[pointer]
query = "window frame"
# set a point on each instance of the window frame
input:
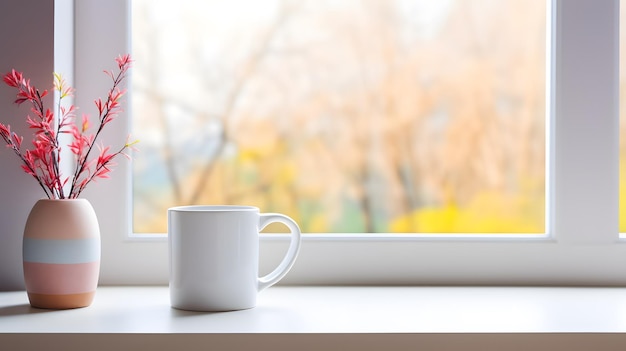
(582, 244)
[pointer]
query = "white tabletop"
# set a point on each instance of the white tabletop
(336, 310)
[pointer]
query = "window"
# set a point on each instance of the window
(582, 246)
(353, 116)
(622, 128)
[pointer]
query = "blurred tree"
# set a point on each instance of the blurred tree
(349, 116)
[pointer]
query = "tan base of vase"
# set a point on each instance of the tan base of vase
(61, 302)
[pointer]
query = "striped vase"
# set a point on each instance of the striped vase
(61, 254)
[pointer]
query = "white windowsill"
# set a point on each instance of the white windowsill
(313, 318)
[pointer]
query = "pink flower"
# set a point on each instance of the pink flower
(17, 140)
(124, 62)
(104, 158)
(43, 161)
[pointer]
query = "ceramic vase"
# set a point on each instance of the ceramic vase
(61, 254)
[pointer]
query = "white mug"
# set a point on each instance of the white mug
(214, 256)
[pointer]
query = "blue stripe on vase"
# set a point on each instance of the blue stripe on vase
(65, 251)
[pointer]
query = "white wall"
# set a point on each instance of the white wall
(26, 44)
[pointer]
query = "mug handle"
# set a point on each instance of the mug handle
(290, 258)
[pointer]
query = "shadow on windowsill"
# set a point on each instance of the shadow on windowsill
(22, 309)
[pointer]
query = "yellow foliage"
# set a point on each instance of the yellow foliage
(287, 174)
(318, 224)
(488, 212)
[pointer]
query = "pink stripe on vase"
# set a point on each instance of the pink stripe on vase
(47, 278)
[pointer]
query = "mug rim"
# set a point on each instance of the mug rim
(214, 208)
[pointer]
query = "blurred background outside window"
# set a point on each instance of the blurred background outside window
(352, 116)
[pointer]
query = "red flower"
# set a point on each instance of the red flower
(13, 79)
(5, 131)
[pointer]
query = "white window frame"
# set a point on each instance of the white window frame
(582, 245)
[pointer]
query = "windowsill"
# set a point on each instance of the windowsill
(355, 316)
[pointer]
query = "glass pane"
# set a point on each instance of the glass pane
(349, 116)
(622, 123)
